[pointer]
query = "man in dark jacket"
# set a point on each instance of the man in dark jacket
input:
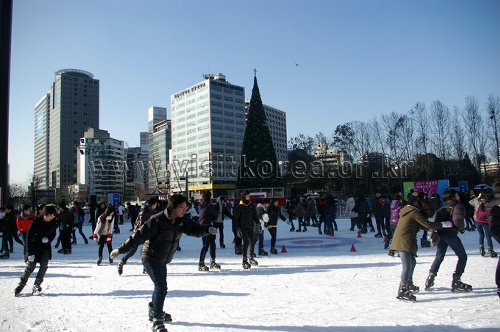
(244, 219)
(493, 214)
(9, 228)
(40, 235)
(160, 237)
(378, 213)
(208, 214)
(452, 210)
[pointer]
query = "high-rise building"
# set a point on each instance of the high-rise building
(276, 122)
(101, 165)
(208, 124)
(159, 144)
(73, 107)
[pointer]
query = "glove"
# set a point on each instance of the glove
(212, 230)
(113, 253)
(447, 224)
(94, 237)
(31, 258)
(239, 233)
(108, 239)
(45, 240)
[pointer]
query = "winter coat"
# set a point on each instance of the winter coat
(377, 208)
(396, 206)
(23, 222)
(104, 226)
(274, 213)
(78, 215)
(208, 213)
(143, 216)
(349, 205)
(410, 222)
(322, 206)
(480, 212)
(38, 230)
(452, 210)
(299, 210)
(9, 224)
(160, 237)
(66, 220)
(493, 214)
(311, 207)
(245, 215)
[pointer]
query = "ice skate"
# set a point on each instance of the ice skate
(404, 294)
(120, 268)
(99, 260)
(481, 251)
(458, 286)
(273, 251)
(167, 317)
(37, 289)
(253, 262)
(245, 264)
(492, 252)
(214, 266)
(262, 252)
(19, 289)
(203, 268)
(430, 281)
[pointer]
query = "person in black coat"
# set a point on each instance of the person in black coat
(244, 218)
(160, 237)
(40, 235)
(208, 214)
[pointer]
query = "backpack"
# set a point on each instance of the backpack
(480, 214)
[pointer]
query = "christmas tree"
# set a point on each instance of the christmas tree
(258, 164)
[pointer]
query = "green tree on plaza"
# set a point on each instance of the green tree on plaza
(258, 164)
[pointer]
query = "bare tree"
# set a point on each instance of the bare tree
(303, 142)
(440, 129)
(458, 141)
(493, 110)
(420, 118)
(475, 132)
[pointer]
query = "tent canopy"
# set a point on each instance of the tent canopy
(156, 192)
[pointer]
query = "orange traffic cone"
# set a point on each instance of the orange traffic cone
(283, 249)
(359, 234)
(331, 233)
(352, 248)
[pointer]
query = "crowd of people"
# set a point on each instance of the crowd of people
(158, 226)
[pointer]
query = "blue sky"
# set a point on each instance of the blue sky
(356, 58)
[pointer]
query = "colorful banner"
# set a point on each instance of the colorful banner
(430, 187)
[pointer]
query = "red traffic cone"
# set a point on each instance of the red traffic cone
(386, 239)
(352, 248)
(359, 234)
(234, 240)
(331, 233)
(283, 249)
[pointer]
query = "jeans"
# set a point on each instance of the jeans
(79, 227)
(220, 229)
(272, 231)
(409, 262)
(103, 239)
(208, 242)
(158, 274)
(129, 254)
(452, 240)
(484, 231)
(44, 263)
(259, 237)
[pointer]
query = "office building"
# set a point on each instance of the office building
(159, 144)
(61, 117)
(208, 125)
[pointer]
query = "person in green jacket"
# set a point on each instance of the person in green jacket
(413, 217)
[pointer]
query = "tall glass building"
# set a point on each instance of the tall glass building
(61, 117)
(159, 144)
(208, 125)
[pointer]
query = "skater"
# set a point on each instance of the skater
(396, 206)
(223, 214)
(208, 214)
(331, 214)
(290, 209)
(413, 217)
(65, 227)
(40, 235)
(322, 206)
(9, 228)
(146, 212)
(451, 210)
(78, 220)
(481, 219)
(259, 231)
(493, 214)
(244, 218)
(132, 214)
(299, 213)
(349, 206)
(23, 223)
(274, 213)
(160, 236)
(378, 213)
(363, 211)
(103, 233)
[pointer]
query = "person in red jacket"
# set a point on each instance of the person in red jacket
(23, 223)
